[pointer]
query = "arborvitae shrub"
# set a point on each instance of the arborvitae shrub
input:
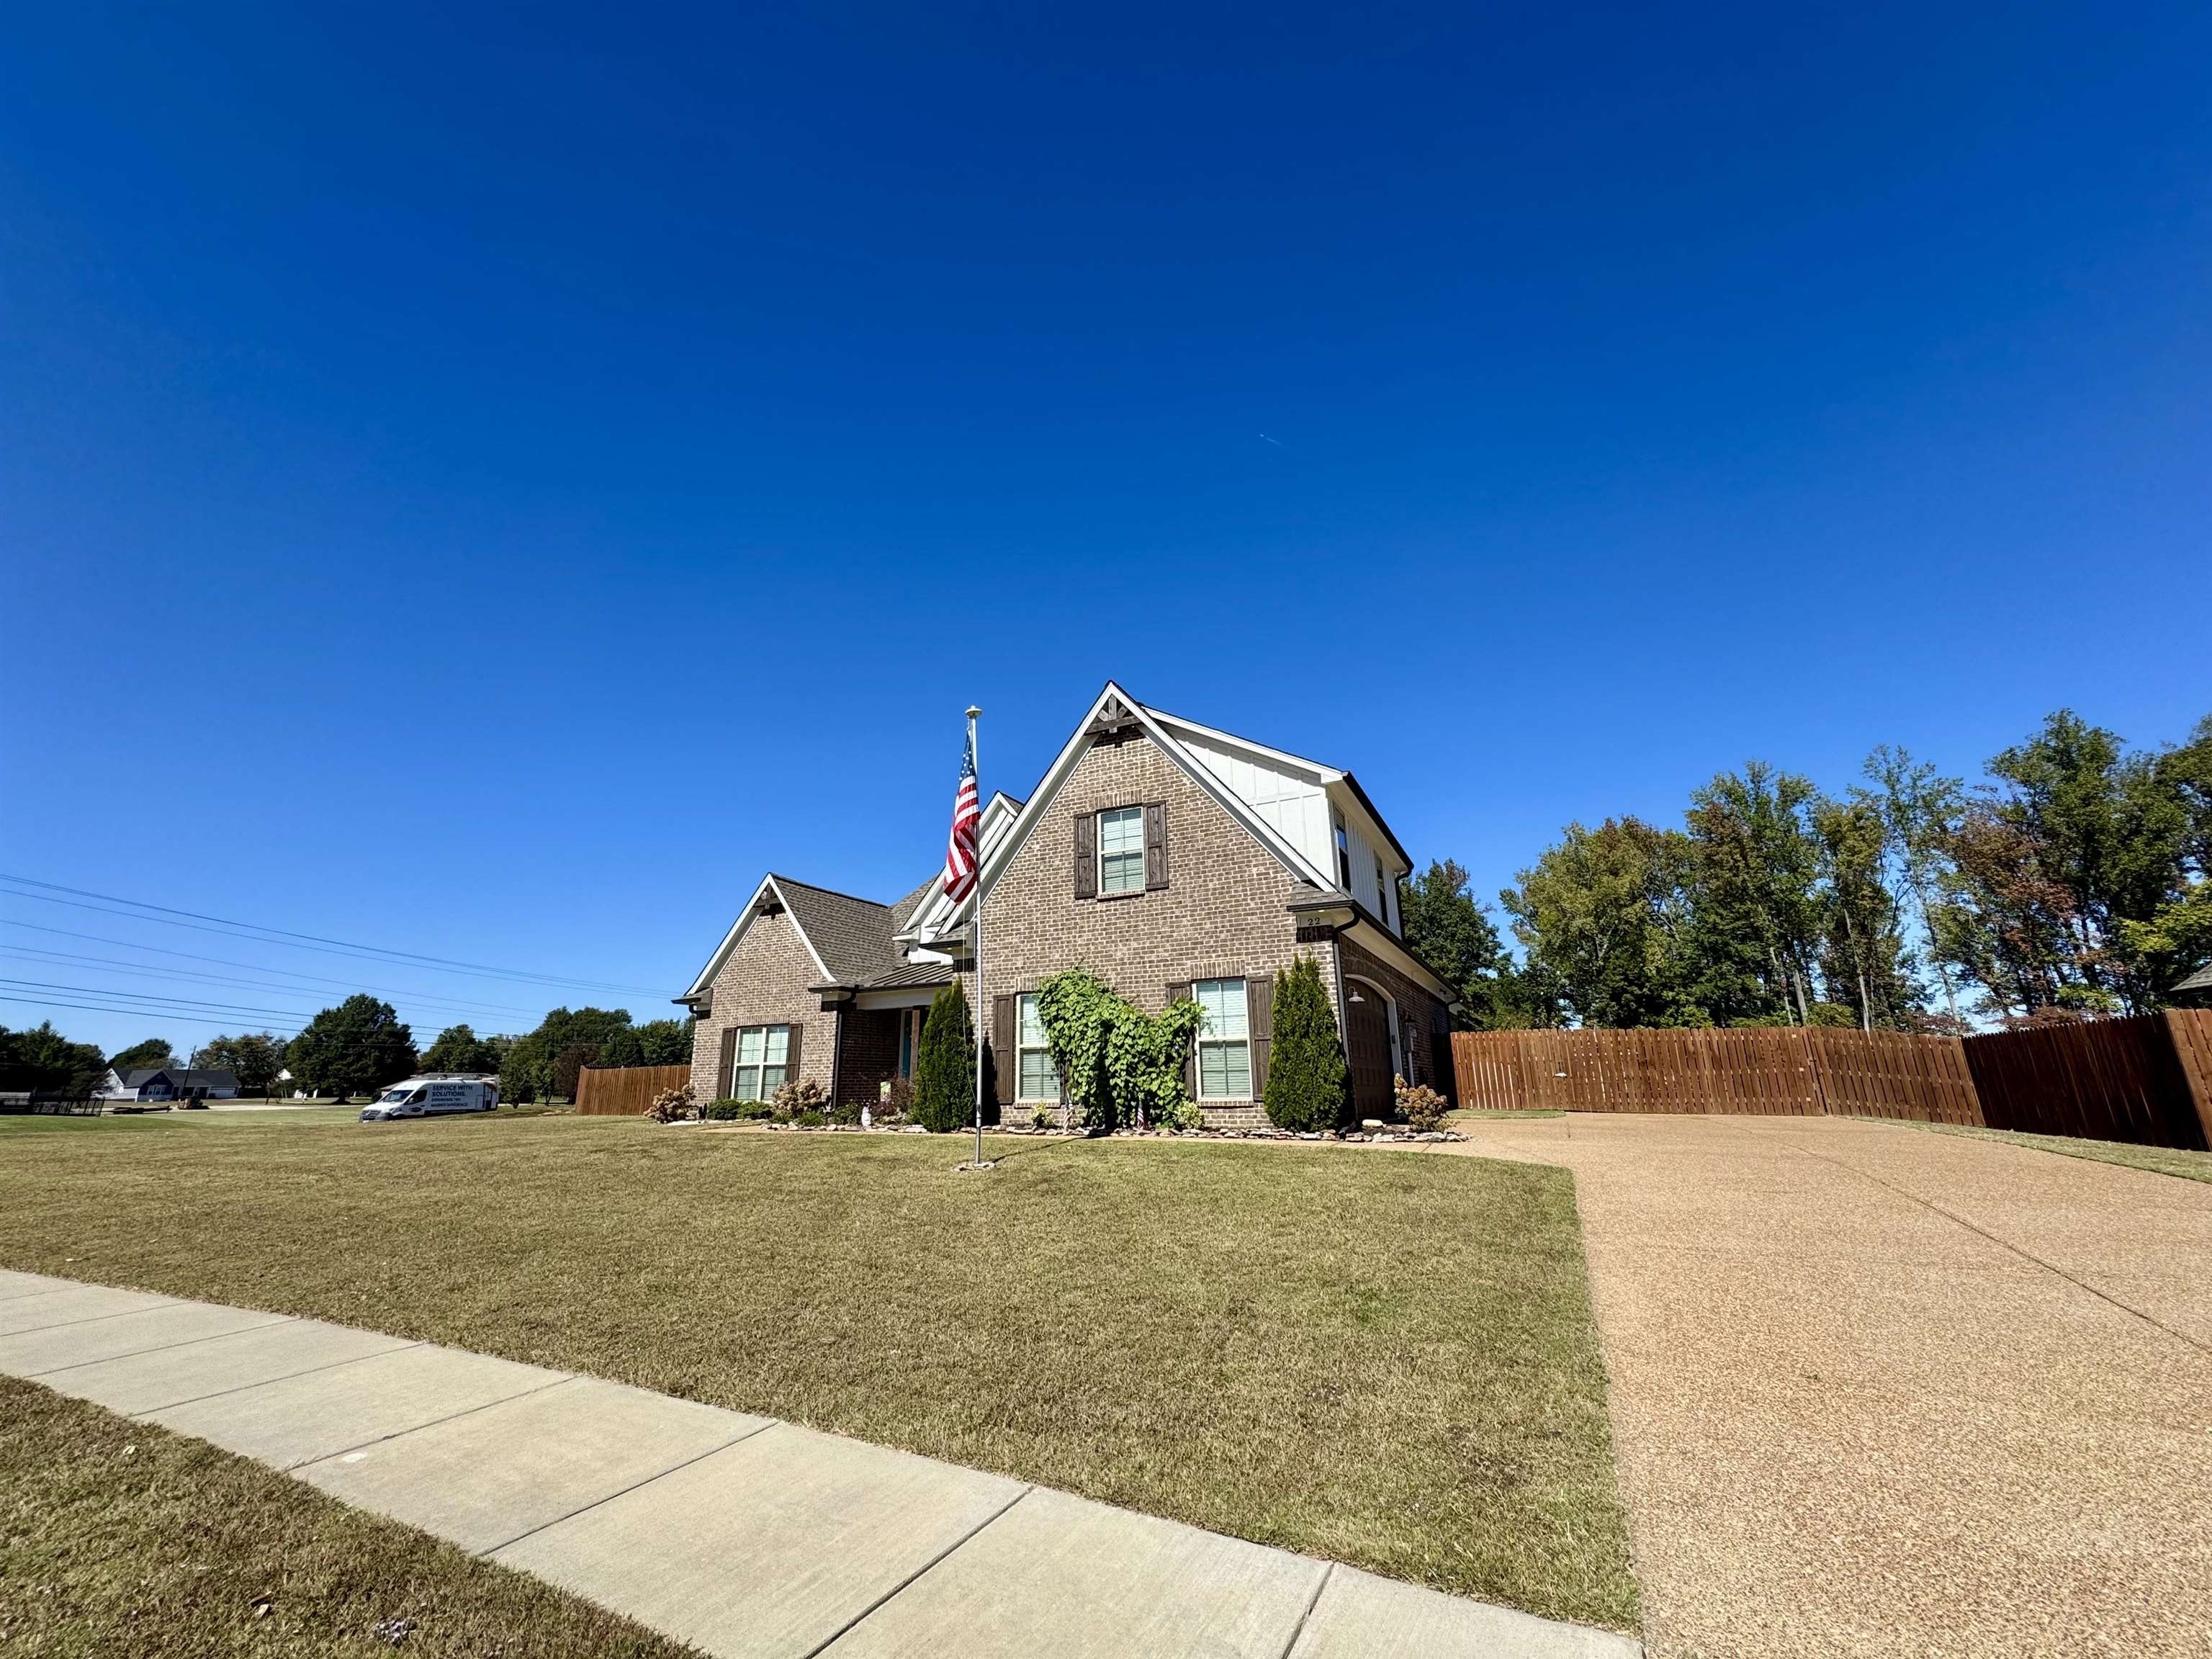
(1306, 1070)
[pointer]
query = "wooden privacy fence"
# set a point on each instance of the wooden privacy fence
(1786, 1072)
(2148, 1081)
(624, 1090)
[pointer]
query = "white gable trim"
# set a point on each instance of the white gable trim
(700, 985)
(1313, 768)
(932, 915)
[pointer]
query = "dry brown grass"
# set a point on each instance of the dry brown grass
(119, 1540)
(1377, 1357)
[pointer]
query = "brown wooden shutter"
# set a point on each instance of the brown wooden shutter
(1005, 1058)
(791, 1054)
(1087, 855)
(729, 1063)
(1259, 1021)
(1181, 992)
(1156, 845)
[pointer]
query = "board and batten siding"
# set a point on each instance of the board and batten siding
(1297, 808)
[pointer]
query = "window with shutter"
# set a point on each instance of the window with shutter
(765, 1056)
(1121, 850)
(1087, 855)
(1225, 1039)
(1260, 1016)
(1039, 1078)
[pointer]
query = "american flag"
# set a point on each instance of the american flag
(967, 813)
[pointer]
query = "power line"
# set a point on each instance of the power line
(256, 967)
(27, 953)
(190, 1004)
(207, 924)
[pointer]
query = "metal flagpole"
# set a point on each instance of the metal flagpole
(976, 758)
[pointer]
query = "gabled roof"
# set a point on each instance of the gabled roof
(1114, 705)
(2199, 981)
(851, 938)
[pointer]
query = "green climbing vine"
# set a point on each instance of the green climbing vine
(1120, 1064)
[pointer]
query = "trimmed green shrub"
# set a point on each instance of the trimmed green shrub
(809, 1120)
(848, 1115)
(1307, 1076)
(945, 1066)
(725, 1111)
(1184, 1118)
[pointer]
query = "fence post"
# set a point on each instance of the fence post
(1813, 1064)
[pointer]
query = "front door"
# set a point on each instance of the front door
(1367, 1046)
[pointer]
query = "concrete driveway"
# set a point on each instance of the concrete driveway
(1883, 1391)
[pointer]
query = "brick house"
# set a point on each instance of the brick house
(1171, 860)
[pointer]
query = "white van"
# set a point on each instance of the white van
(435, 1096)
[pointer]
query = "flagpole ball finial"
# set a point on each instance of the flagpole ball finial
(973, 711)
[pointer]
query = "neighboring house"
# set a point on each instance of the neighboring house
(2195, 991)
(168, 1083)
(1171, 860)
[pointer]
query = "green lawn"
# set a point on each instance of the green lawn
(1379, 1357)
(119, 1538)
(2160, 1160)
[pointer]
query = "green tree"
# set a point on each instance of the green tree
(1308, 1080)
(666, 1042)
(459, 1048)
(528, 1070)
(1756, 920)
(944, 1065)
(1921, 811)
(2064, 867)
(1863, 960)
(149, 1055)
(254, 1059)
(1605, 919)
(359, 1046)
(42, 1059)
(1451, 931)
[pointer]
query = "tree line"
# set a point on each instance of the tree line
(360, 1046)
(2074, 880)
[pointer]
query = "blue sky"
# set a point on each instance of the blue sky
(491, 487)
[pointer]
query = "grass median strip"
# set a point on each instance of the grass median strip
(1375, 1357)
(117, 1538)
(2159, 1160)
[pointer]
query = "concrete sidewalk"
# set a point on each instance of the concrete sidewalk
(740, 1535)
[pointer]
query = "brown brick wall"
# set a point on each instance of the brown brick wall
(1221, 916)
(764, 983)
(870, 1057)
(1419, 1014)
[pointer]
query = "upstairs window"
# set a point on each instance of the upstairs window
(1343, 854)
(760, 1070)
(1225, 1042)
(1039, 1077)
(1121, 850)
(1382, 895)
